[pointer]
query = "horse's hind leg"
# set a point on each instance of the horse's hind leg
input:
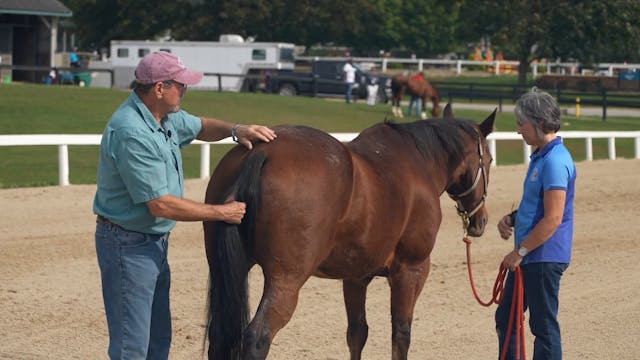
(276, 307)
(406, 281)
(355, 293)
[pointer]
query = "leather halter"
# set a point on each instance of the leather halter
(464, 214)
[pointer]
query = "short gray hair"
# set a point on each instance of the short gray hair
(540, 109)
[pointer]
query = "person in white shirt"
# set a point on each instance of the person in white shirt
(349, 78)
(372, 88)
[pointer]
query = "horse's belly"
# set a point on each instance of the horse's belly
(349, 263)
(383, 271)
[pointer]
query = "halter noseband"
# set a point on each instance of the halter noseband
(464, 214)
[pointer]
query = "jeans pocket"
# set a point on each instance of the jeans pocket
(132, 239)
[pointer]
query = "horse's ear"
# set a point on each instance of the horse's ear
(487, 125)
(448, 112)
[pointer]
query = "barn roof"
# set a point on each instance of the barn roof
(34, 7)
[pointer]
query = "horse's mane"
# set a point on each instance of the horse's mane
(435, 136)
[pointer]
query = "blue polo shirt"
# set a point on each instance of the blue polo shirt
(140, 161)
(551, 168)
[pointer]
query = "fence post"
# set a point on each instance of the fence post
(459, 67)
(604, 104)
(219, 82)
(205, 156)
(314, 85)
(636, 148)
(492, 151)
(526, 150)
(588, 142)
(612, 148)
(63, 165)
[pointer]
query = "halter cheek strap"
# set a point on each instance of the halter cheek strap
(464, 214)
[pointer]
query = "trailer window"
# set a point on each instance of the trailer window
(286, 54)
(166, 50)
(143, 52)
(259, 54)
(123, 52)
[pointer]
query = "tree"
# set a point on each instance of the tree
(587, 32)
(100, 21)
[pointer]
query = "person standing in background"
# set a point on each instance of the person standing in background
(349, 78)
(415, 99)
(372, 87)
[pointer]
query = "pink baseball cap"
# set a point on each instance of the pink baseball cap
(163, 66)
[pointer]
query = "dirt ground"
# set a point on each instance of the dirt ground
(51, 305)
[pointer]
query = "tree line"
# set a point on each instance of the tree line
(585, 31)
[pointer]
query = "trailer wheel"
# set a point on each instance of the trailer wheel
(287, 90)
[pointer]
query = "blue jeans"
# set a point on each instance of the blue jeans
(347, 96)
(135, 289)
(541, 282)
(418, 102)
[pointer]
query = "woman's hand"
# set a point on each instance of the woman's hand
(505, 227)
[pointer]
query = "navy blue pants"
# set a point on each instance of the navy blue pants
(541, 283)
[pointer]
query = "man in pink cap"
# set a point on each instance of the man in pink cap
(139, 198)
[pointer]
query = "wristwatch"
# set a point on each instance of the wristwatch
(522, 251)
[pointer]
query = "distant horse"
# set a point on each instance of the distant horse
(417, 87)
(318, 207)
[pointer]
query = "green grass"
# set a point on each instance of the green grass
(38, 109)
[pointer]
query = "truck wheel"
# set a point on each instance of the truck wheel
(287, 90)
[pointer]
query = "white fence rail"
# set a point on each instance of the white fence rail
(551, 67)
(63, 141)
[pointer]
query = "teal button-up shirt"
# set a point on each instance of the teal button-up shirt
(140, 161)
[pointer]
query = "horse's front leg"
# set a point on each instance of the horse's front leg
(355, 295)
(406, 282)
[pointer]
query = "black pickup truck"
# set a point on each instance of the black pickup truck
(326, 79)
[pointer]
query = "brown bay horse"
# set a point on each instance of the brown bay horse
(401, 84)
(318, 207)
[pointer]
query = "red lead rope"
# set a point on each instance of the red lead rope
(497, 296)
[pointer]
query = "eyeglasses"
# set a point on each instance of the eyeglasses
(181, 87)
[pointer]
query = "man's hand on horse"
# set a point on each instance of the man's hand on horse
(246, 134)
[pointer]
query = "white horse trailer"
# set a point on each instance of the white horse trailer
(241, 65)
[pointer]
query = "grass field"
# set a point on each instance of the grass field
(38, 109)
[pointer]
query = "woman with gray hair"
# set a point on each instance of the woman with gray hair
(543, 226)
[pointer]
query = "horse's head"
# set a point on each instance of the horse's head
(471, 179)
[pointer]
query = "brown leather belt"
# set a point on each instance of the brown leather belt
(103, 220)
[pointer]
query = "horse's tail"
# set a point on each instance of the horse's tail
(229, 267)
